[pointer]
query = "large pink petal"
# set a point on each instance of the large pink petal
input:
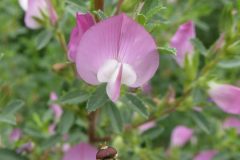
(84, 22)
(180, 136)
(118, 38)
(82, 151)
(181, 41)
(227, 97)
(34, 10)
(205, 155)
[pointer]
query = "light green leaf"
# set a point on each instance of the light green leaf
(12, 107)
(97, 99)
(100, 14)
(43, 39)
(136, 104)
(167, 50)
(7, 154)
(115, 117)
(1, 56)
(229, 64)
(141, 19)
(199, 46)
(153, 11)
(66, 122)
(9, 119)
(74, 97)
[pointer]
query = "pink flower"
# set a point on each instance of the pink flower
(205, 155)
(57, 110)
(146, 126)
(180, 136)
(82, 151)
(65, 147)
(52, 129)
(36, 9)
(15, 134)
(181, 41)
(27, 147)
(84, 22)
(227, 97)
(232, 122)
(146, 88)
(117, 51)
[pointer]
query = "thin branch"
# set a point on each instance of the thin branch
(120, 2)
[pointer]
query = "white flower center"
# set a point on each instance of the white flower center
(114, 74)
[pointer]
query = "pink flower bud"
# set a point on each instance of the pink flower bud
(205, 155)
(180, 136)
(227, 97)
(146, 126)
(181, 41)
(15, 135)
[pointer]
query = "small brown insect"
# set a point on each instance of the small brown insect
(106, 153)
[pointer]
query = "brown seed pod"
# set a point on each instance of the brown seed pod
(106, 152)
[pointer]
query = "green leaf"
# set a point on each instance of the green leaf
(1, 56)
(9, 119)
(153, 133)
(229, 64)
(43, 39)
(201, 121)
(199, 46)
(141, 19)
(100, 14)
(115, 117)
(167, 50)
(66, 122)
(7, 154)
(50, 142)
(136, 104)
(97, 99)
(153, 11)
(74, 97)
(12, 107)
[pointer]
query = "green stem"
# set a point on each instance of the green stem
(62, 41)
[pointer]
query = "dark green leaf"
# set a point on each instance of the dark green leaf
(167, 50)
(66, 122)
(74, 97)
(136, 104)
(50, 142)
(43, 39)
(199, 46)
(7, 154)
(12, 107)
(97, 99)
(115, 117)
(201, 121)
